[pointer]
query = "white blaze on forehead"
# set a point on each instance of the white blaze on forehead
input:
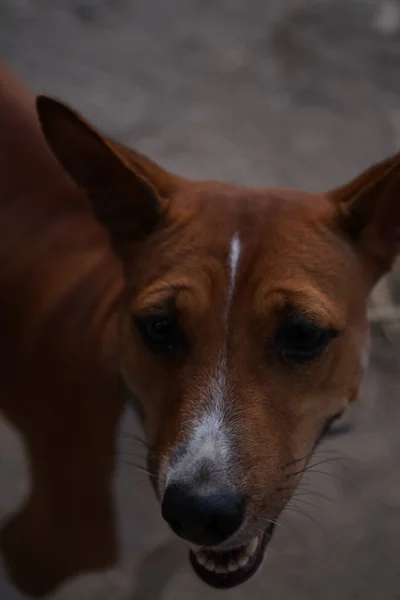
(218, 383)
(207, 440)
(234, 257)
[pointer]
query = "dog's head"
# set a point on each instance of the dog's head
(242, 328)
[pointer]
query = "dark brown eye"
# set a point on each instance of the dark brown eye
(303, 341)
(160, 333)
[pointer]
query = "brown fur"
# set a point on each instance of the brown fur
(319, 254)
(77, 305)
(59, 285)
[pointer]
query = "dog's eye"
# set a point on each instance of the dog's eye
(160, 333)
(303, 341)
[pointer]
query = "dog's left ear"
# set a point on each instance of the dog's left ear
(369, 213)
(127, 191)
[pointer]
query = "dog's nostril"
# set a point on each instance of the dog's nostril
(204, 519)
(176, 526)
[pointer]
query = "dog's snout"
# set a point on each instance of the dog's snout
(203, 519)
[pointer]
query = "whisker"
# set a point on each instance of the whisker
(310, 468)
(334, 475)
(304, 514)
(310, 493)
(132, 437)
(305, 502)
(327, 460)
(294, 461)
(301, 491)
(131, 453)
(275, 522)
(133, 444)
(317, 456)
(294, 474)
(138, 467)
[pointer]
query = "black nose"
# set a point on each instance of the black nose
(204, 519)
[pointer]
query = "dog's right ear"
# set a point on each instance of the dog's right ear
(128, 192)
(368, 211)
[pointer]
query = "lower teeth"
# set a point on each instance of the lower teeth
(201, 558)
(220, 570)
(243, 560)
(233, 565)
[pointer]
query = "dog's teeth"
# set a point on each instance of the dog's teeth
(243, 560)
(210, 565)
(201, 558)
(232, 566)
(220, 570)
(251, 547)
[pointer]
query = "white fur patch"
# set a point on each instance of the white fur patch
(208, 441)
(207, 446)
(234, 257)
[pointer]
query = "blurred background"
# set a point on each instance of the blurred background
(300, 93)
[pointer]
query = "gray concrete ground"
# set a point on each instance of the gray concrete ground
(293, 92)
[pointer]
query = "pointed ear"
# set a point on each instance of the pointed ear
(369, 213)
(126, 190)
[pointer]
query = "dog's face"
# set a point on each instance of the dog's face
(242, 329)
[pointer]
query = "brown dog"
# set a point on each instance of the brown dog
(58, 285)
(241, 327)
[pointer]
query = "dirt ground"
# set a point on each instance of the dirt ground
(293, 92)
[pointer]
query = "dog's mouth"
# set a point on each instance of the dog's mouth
(229, 568)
